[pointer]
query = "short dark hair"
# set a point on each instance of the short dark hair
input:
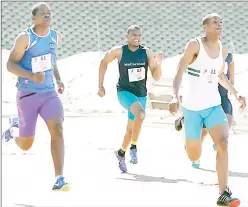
(208, 17)
(36, 7)
(133, 27)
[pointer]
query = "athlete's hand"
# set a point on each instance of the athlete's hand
(242, 101)
(173, 106)
(38, 77)
(61, 87)
(159, 58)
(101, 91)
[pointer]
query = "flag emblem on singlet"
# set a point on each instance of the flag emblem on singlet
(193, 72)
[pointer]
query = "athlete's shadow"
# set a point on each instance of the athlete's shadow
(24, 205)
(145, 178)
(231, 174)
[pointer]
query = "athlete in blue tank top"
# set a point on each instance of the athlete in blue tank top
(33, 60)
(133, 61)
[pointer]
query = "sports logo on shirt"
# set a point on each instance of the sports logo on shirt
(52, 45)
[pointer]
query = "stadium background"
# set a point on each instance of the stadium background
(97, 26)
(91, 28)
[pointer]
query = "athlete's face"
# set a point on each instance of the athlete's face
(214, 26)
(134, 37)
(43, 16)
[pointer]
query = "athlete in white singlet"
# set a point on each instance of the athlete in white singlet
(203, 66)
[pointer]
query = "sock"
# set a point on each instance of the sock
(197, 162)
(58, 176)
(121, 152)
(14, 132)
(133, 145)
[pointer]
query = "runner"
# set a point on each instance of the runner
(33, 60)
(225, 103)
(133, 60)
(203, 61)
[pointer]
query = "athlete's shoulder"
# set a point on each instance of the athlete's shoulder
(55, 31)
(58, 34)
(23, 36)
(27, 30)
(194, 42)
(117, 48)
(114, 52)
(193, 45)
(149, 52)
(147, 49)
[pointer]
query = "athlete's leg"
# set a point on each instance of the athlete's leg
(204, 134)
(217, 124)
(126, 142)
(23, 127)
(53, 114)
(127, 138)
(126, 99)
(227, 107)
(192, 127)
(128, 135)
(137, 112)
(196, 164)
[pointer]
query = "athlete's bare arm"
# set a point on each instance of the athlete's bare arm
(191, 50)
(231, 71)
(115, 52)
(226, 83)
(16, 54)
(223, 80)
(55, 67)
(154, 63)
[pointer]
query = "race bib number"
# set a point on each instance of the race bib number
(212, 76)
(136, 74)
(41, 63)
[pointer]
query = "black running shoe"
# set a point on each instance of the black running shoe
(226, 199)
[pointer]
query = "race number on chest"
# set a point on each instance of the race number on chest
(41, 63)
(136, 74)
(211, 75)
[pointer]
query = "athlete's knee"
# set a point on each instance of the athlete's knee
(57, 132)
(222, 144)
(56, 129)
(193, 149)
(25, 143)
(141, 114)
(138, 111)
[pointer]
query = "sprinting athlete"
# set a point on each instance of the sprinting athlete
(134, 61)
(203, 65)
(33, 60)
